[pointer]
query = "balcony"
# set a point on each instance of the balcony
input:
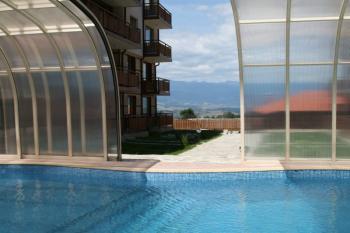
(129, 81)
(157, 86)
(120, 33)
(156, 16)
(137, 123)
(123, 3)
(156, 51)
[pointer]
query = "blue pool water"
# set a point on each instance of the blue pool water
(55, 199)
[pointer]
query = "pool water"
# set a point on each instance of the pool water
(53, 199)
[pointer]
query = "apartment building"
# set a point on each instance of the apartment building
(132, 27)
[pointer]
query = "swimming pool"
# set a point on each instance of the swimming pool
(56, 199)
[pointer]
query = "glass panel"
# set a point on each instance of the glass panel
(93, 112)
(313, 41)
(263, 43)
(315, 8)
(264, 90)
(344, 43)
(112, 124)
(11, 52)
(38, 51)
(311, 111)
(17, 24)
(343, 112)
(44, 114)
(7, 115)
(25, 113)
(8, 128)
(54, 20)
(86, 113)
(78, 115)
(75, 49)
(258, 9)
(58, 113)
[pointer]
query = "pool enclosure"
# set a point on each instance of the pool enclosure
(294, 64)
(58, 85)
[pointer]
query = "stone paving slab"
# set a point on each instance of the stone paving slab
(224, 149)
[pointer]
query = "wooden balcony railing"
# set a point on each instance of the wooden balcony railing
(134, 123)
(128, 78)
(113, 23)
(157, 11)
(157, 86)
(156, 48)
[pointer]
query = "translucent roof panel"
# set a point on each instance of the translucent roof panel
(315, 8)
(263, 43)
(312, 41)
(261, 10)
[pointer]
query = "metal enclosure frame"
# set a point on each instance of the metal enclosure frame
(64, 62)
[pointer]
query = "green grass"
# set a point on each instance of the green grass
(304, 144)
(169, 143)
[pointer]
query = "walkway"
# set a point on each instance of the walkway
(224, 149)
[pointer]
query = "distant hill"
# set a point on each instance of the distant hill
(201, 96)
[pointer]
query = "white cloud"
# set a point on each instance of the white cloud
(209, 56)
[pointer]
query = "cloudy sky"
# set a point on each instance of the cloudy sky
(203, 41)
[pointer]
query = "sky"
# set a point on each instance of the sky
(203, 41)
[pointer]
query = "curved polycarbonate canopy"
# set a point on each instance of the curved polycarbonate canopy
(294, 60)
(58, 89)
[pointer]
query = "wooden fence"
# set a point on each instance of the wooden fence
(213, 124)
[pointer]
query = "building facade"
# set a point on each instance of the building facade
(132, 27)
(294, 74)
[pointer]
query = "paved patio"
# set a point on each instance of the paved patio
(224, 149)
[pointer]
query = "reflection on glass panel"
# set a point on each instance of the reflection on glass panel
(263, 43)
(58, 113)
(344, 51)
(11, 52)
(258, 9)
(38, 50)
(312, 41)
(311, 111)
(315, 8)
(264, 90)
(343, 112)
(25, 113)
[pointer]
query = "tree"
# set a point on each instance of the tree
(187, 114)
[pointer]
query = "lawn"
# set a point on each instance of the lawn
(170, 143)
